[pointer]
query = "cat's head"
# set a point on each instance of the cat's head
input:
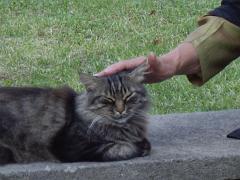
(118, 97)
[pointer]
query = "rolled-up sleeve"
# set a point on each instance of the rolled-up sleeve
(217, 42)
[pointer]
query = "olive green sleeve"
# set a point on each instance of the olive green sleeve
(217, 42)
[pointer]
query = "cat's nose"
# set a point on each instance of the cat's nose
(120, 108)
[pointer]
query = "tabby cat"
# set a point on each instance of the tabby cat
(105, 123)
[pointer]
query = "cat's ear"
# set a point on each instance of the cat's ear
(90, 82)
(138, 73)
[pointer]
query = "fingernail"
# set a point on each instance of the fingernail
(97, 74)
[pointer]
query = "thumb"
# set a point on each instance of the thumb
(152, 60)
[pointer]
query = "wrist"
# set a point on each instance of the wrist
(186, 59)
(168, 64)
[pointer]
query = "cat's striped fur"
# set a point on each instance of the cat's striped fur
(105, 123)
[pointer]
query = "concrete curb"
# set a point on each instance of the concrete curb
(185, 146)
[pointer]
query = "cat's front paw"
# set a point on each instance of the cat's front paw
(120, 151)
(144, 146)
(6, 156)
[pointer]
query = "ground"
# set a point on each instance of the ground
(189, 146)
(46, 43)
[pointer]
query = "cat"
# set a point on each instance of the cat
(107, 122)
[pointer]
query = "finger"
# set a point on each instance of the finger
(101, 74)
(153, 66)
(123, 65)
(112, 69)
(152, 59)
(133, 63)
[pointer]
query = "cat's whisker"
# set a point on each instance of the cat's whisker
(91, 126)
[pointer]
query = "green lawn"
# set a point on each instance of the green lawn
(46, 43)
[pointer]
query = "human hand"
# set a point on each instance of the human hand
(181, 60)
(157, 72)
(121, 66)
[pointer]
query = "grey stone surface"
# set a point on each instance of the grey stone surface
(185, 146)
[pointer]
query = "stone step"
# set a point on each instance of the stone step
(189, 146)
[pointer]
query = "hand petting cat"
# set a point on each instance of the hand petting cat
(181, 60)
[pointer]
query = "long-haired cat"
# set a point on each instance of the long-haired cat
(105, 123)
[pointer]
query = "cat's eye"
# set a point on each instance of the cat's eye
(107, 100)
(131, 98)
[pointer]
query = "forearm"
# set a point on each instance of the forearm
(210, 48)
(205, 52)
(182, 60)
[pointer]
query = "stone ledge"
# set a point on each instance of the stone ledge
(185, 146)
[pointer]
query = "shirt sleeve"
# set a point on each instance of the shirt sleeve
(217, 42)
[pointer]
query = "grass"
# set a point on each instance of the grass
(46, 43)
